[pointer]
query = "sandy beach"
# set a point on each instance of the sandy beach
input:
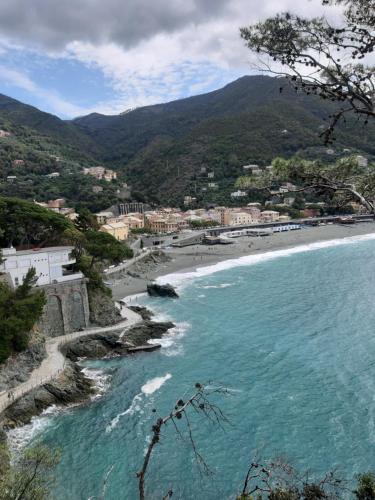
(193, 257)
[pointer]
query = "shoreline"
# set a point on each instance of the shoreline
(190, 259)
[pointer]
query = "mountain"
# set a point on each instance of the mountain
(46, 144)
(162, 148)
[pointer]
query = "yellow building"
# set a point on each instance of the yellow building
(118, 230)
(241, 218)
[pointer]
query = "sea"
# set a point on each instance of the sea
(289, 335)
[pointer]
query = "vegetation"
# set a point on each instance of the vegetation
(104, 247)
(343, 182)
(202, 224)
(31, 477)
(323, 58)
(24, 223)
(160, 150)
(20, 309)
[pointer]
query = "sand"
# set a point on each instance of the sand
(193, 257)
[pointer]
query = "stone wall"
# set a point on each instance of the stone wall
(66, 309)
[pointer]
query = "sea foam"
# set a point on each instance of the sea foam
(247, 260)
(147, 389)
(154, 384)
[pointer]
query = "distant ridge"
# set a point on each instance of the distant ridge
(161, 149)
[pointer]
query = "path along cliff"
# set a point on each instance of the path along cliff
(54, 362)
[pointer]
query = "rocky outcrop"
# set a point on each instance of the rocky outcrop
(17, 368)
(103, 311)
(156, 290)
(71, 386)
(115, 344)
(145, 313)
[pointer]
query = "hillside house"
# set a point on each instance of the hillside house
(52, 265)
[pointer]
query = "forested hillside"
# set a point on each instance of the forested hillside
(162, 150)
(35, 145)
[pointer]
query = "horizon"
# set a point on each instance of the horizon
(108, 59)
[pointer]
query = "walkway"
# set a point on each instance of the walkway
(128, 263)
(54, 363)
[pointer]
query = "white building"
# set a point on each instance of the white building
(52, 264)
(238, 194)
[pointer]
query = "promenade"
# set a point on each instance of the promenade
(54, 362)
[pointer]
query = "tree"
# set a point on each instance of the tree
(31, 476)
(366, 486)
(343, 181)
(86, 221)
(24, 222)
(103, 246)
(201, 403)
(278, 480)
(20, 309)
(323, 58)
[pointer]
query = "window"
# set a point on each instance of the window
(16, 281)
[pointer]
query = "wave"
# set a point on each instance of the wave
(100, 378)
(135, 406)
(19, 437)
(222, 285)
(146, 390)
(154, 384)
(247, 260)
(169, 340)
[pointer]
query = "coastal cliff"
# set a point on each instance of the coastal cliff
(72, 386)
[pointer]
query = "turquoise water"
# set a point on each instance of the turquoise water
(294, 340)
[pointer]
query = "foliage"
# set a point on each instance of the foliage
(24, 222)
(323, 58)
(20, 309)
(201, 224)
(104, 247)
(365, 486)
(31, 477)
(86, 221)
(160, 149)
(342, 182)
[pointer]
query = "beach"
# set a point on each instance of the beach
(195, 256)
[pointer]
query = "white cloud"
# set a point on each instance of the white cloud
(55, 102)
(148, 51)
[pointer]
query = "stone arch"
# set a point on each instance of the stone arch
(55, 321)
(76, 311)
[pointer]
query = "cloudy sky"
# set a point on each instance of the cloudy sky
(72, 57)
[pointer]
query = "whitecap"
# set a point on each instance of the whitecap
(169, 341)
(177, 279)
(154, 384)
(100, 378)
(19, 437)
(222, 285)
(135, 406)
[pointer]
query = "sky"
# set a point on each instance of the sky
(74, 57)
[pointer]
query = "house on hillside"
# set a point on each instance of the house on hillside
(52, 265)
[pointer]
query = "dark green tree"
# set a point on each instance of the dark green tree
(86, 221)
(104, 247)
(365, 486)
(20, 309)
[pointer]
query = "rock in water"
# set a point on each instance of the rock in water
(155, 290)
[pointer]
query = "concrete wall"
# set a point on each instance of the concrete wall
(66, 309)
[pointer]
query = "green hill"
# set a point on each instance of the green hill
(160, 150)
